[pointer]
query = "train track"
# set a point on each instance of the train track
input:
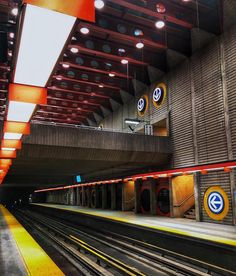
(108, 253)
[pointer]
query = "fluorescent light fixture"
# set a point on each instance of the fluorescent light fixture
(132, 121)
(111, 75)
(43, 37)
(11, 149)
(20, 112)
(12, 136)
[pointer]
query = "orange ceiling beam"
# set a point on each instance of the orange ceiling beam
(27, 94)
(16, 127)
(17, 144)
(82, 9)
(5, 162)
(7, 154)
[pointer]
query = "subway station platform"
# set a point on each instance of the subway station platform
(216, 233)
(20, 254)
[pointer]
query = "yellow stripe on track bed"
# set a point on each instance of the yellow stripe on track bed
(36, 261)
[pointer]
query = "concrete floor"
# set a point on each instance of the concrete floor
(11, 263)
(208, 231)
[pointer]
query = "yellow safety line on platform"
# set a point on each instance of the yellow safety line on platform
(161, 228)
(36, 261)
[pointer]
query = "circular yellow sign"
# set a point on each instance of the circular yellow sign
(216, 203)
(142, 105)
(159, 95)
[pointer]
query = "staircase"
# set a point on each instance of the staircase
(190, 214)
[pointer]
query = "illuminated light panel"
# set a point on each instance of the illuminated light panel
(7, 154)
(20, 112)
(11, 149)
(12, 136)
(16, 127)
(11, 144)
(27, 94)
(5, 162)
(44, 32)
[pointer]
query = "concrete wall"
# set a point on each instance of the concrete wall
(201, 104)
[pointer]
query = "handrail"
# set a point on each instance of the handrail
(186, 199)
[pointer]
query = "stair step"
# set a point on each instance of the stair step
(190, 216)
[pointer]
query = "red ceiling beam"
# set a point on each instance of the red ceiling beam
(87, 94)
(123, 37)
(107, 56)
(67, 108)
(85, 68)
(115, 88)
(38, 118)
(57, 113)
(73, 101)
(154, 14)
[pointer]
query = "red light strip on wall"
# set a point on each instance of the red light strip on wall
(226, 167)
(80, 185)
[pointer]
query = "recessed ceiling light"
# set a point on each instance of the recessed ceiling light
(65, 65)
(84, 30)
(73, 38)
(10, 54)
(99, 4)
(111, 75)
(139, 45)
(160, 8)
(59, 78)
(124, 61)
(11, 42)
(160, 24)
(15, 11)
(101, 86)
(74, 50)
(138, 32)
(11, 35)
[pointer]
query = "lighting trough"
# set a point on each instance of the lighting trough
(44, 34)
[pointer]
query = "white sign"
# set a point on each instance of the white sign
(216, 202)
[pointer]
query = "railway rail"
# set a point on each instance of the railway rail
(105, 253)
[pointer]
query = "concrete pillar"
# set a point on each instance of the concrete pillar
(96, 196)
(83, 196)
(171, 198)
(89, 191)
(113, 197)
(197, 197)
(104, 196)
(153, 201)
(137, 194)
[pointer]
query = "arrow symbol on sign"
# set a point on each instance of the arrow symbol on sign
(214, 202)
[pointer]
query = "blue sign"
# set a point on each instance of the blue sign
(216, 202)
(78, 178)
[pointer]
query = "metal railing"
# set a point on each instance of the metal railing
(185, 200)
